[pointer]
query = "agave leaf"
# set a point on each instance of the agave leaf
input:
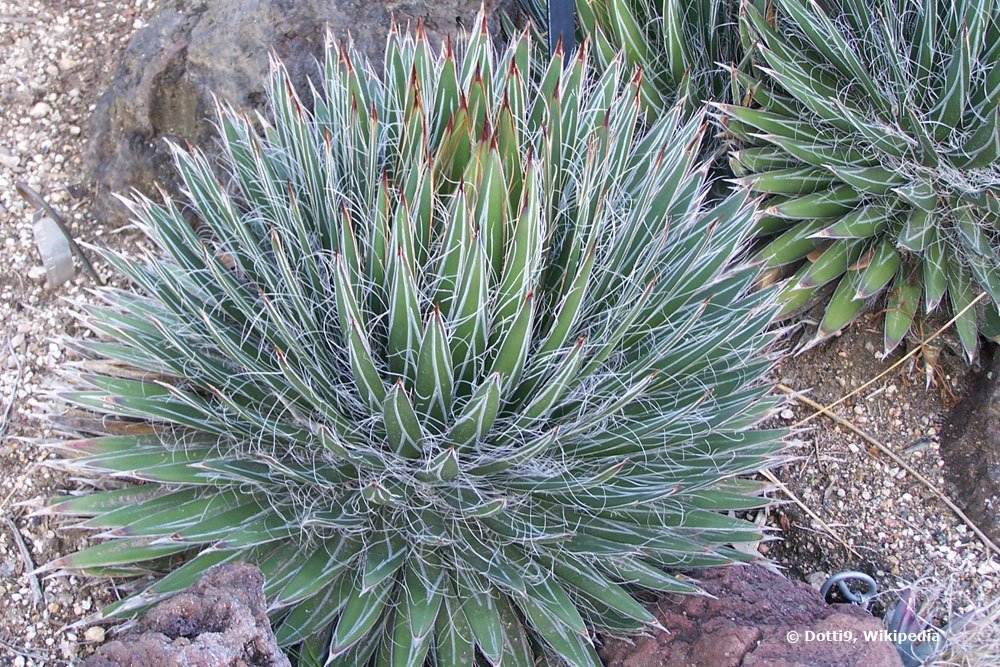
(478, 414)
(512, 349)
(435, 376)
(883, 266)
(935, 272)
(310, 615)
(454, 643)
(480, 611)
(360, 614)
(954, 92)
(904, 299)
(844, 305)
(962, 296)
(574, 649)
(116, 552)
(327, 563)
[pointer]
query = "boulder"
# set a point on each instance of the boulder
(220, 622)
(194, 49)
(747, 620)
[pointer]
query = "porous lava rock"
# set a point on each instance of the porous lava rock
(220, 622)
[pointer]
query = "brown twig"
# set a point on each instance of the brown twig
(29, 566)
(825, 410)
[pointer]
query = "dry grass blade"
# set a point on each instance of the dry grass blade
(5, 416)
(29, 566)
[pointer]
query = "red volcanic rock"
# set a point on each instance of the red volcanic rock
(749, 623)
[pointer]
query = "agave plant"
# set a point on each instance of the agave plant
(459, 358)
(681, 46)
(875, 132)
(916, 639)
(926, 627)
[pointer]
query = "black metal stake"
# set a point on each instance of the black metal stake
(562, 25)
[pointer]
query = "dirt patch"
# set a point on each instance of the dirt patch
(970, 445)
(898, 529)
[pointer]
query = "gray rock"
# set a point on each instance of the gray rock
(8, 160)
(40, 110)
(220, 622)
(193, 49)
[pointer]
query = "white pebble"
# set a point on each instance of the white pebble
(40, 110)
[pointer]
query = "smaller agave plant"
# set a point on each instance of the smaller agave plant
(680, 45)
(916, 639)
(460, 358)
(874, 131)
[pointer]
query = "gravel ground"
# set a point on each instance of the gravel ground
(899, 530)
(56, 54)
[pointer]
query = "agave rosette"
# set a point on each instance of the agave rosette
(874, 131)
(460, 359)
(681, 46)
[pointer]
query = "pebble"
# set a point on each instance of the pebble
(8, 160)
(94, 634)
(40, 110)
(817, 579)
